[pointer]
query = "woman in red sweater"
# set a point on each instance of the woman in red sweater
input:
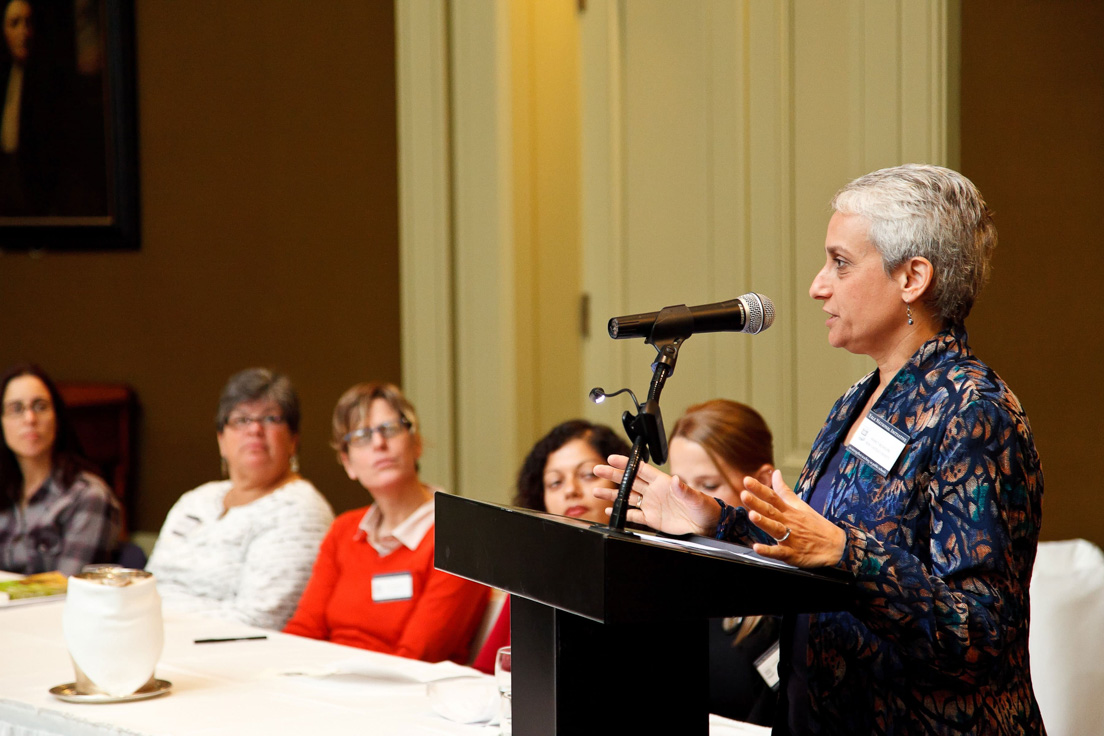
(374, 585)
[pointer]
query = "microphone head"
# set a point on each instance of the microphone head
(760, 312)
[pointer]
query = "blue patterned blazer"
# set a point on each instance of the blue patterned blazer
(941, 551)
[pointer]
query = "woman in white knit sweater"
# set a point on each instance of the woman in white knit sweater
(243, 548)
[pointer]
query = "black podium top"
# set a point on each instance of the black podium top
(621, 577)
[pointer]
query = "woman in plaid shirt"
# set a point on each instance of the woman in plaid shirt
(54, 514)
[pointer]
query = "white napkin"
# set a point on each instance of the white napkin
(114, 634)
(465, 699)
(393, 669)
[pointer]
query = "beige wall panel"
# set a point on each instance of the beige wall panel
(490, 229)
(769, 212)
(425, 230)
(602, 192)
(546, 50)
(666, 86)
(720, 130)
(831, 91)
(486, 375)
(729, 233)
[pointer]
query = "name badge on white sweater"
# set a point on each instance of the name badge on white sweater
(187, 525)
(879, 443)
(395, 586)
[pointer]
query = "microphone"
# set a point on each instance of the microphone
(751, 313)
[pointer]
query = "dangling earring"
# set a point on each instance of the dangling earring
(908, 308)
(294, 463)
(225, 468)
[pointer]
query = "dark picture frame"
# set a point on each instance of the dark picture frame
(70, 183)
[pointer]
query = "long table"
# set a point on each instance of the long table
(239, 688)
(228, 688)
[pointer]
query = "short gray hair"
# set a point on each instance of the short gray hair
(930, 212)
(255, 384)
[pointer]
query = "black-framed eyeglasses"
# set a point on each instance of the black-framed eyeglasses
(18, 408)
(387, 430)
(268, 420)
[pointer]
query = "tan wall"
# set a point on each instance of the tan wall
(269, 233)
(544, 51)
(1033, 141)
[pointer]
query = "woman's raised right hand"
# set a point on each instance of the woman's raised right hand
(661, 501)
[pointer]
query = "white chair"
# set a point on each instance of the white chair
(1067, 636)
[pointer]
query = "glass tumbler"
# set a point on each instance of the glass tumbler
(502, 678)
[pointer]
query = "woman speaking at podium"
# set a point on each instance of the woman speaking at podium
(923, 484)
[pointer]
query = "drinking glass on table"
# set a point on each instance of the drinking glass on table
(502, 678)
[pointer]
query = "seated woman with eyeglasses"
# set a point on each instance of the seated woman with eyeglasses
(54, 514)
(374, 585)
(242, 548)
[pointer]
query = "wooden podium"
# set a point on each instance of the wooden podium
(610, 629)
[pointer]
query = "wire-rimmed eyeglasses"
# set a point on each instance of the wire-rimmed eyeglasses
(387, 430)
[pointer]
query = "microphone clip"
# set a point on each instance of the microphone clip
(672, 325)
(647, 424)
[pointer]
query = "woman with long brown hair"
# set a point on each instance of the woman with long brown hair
(54, 513)
(713, 447)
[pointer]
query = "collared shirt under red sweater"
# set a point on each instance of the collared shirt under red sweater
(437, 622)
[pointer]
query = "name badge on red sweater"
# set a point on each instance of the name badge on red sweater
(395, 586)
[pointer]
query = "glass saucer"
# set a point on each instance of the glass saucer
(68, 693)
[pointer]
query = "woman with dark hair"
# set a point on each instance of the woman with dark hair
(242, 548)
(54, 514)
(557, 474)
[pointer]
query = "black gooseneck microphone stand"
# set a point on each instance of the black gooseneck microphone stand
(673, 325)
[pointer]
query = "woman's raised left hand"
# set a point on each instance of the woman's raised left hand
(805, 538)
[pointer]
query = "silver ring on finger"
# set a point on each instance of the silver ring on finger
(784, 537)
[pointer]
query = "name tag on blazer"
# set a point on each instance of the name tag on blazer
(879, 443)
(396, 586)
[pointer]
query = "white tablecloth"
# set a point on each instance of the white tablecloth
(231, 688)
(224, 688)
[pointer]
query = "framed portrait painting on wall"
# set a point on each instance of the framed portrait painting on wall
(68, 127)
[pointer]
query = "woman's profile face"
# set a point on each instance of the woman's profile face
(864, 304)
(694, 466)
(257, 442)
(18, 29)
(30, 425)
(569, 479)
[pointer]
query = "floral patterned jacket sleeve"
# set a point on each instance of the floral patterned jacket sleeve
(941, 550)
